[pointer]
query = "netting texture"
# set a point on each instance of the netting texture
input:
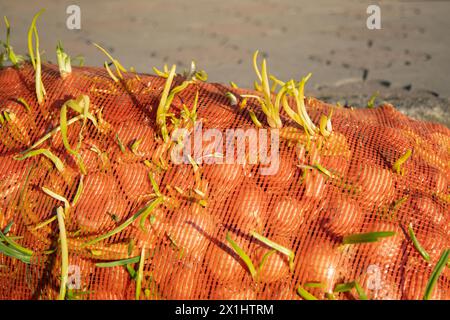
(188, 256)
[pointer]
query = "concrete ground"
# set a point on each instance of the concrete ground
(407, 61)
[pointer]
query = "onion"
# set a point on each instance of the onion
(93, 161)
(177, 277)
(191, 230)
(432, 241)
(285, 174)
(315, 184)
(319, 262)
(377, 184)
(441, 141)
(386, 252)
(415, 284)
(287, 215)
(12, 176)
(97, 197)
(153, 231)
(223, 178)
(275, 267)
(14, 133)
(342, 216)
(181, 176)
(286, 293)
(249, 210)
(391, 143)
(184, 284)
(73, 131)
(134, 179)
(335, 164)
(224, 264)
(439, 183)
(131, 131)
(428, 212)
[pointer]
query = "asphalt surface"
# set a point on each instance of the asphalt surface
(407, 61)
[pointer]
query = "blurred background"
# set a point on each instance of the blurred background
(406, 62)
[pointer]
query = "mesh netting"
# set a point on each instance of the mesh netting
(187, 254)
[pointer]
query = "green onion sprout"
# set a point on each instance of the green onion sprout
(241, 253)
(232, 98)
(79, 191)
(117, 263)
(16, 60)
(440, 265)
(416, 243)
(270, 110)
(305, 294)
(140, 273)
(120, 143)
(45, 152)
(24, 103)
(116, 63)
(397, 166)
(64, 62)
(367, 237)
(64, 253)
(142, 211)
(371, 102)
(289, 253)
(36, 60)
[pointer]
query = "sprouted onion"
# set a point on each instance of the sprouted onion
(271, 110)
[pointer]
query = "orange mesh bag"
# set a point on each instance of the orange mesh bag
(328, 192)
(92, 205)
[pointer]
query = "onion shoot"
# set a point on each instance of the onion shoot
(289, 253)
